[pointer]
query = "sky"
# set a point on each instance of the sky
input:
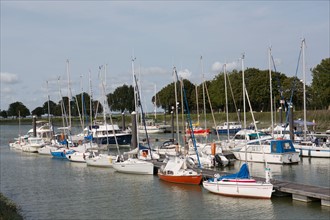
(43, 43)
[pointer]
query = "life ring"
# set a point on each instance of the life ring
(279, 138)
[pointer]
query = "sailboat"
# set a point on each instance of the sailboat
(198, 130)
(141, 164)
(310, 147)
(176, 169)
(240, 184)
(228, 127)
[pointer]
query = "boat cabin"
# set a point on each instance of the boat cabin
(282, 146)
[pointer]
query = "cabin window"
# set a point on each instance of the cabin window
(170, 172)
(273, 146)
(240, 137)
(287, 146)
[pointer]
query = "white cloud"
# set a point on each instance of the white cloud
(8, 78)
(218, 66)
(185, 74)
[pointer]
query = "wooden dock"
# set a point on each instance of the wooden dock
(299, 192)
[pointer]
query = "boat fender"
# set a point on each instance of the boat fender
(216, 177)
(117, 158)
(191, 162)
(161, 168)
(218, 159)
(213, 149)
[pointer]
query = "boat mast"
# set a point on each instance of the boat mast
(271, 92)
(244, 107)
(19, 123)
(304, 91)
(182, 106)
(225, 77)
(204, 106)
(135, 98)
(189, 121)
(82, 105)
(197, 108)
(106, 105)
(69, 94)
(90, 99)
(62, 101)
(176, 79)
(243, 82)
(155, 103)
(48, 103)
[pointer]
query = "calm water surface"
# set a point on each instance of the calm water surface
(47, 188)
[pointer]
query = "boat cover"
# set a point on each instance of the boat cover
(301, 123)
(282, 146)
(243, 173)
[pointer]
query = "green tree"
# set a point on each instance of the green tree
(83, 100)
(3, 114)
(52, 107)
(17, 108)
(38, 111)
(167, 96)
(122, 99)
(321, 85)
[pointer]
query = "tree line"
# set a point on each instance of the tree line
(286, 90)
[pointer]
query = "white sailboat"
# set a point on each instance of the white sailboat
(139, 165)
(100, 160)
(240, 184)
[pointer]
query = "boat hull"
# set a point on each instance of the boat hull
(101, 161)
(46, 150)
(61, 154)
(225, 131)
(134, 166)
(193, 179)
(314, 152)
(288, 158)
(122, 139)
(240, 189)
(78, 157)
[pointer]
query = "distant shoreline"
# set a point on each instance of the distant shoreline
(321, 117)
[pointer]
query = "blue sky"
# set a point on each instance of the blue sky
(37, 37)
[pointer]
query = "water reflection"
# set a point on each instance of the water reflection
(244, 208)
(175, 187)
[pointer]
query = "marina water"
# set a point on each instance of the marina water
(47, 188)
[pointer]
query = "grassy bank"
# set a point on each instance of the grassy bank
(8, 209)
(321, 117)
